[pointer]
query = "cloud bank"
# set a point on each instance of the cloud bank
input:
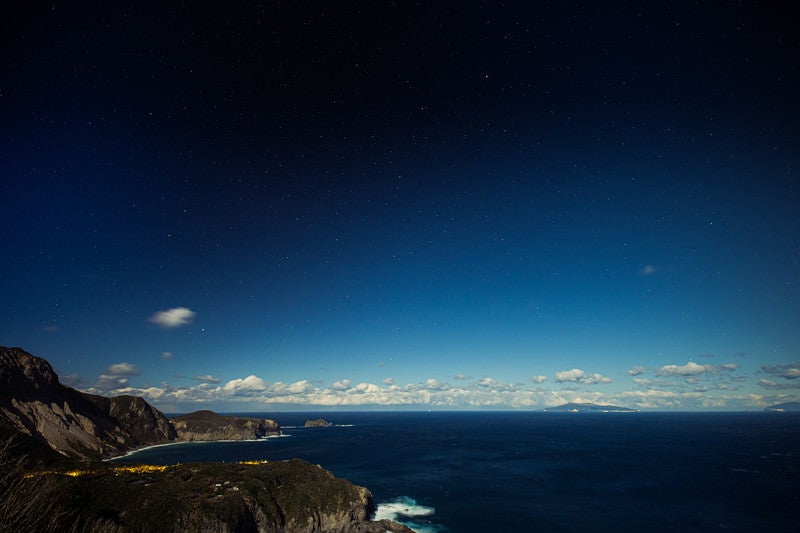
(687, 386)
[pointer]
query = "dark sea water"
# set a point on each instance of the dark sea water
(577, 472)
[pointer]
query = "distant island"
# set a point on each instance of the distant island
(588, 408)
(318, 423)
(52, 438)
(784, 407)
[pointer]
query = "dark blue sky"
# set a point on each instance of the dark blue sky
(433, 206)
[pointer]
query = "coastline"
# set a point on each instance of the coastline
(176, 443)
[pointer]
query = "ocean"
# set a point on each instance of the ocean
(551, 472)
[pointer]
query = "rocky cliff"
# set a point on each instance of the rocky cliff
(35, 403)
(208, 425)
(41, 490)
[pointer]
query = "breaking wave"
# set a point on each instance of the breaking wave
(407, 511)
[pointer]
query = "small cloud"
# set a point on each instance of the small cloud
(772, 385)
(576, 375)
(166, 356)
(122, 369)
(647, 270)
(790, 371)
(538, 379)
(341, 385)
(109, 383)
(694, 369)
(366, 388)
(173, 318)
(388, 381)
(488, 382)
(299, 387)
(251, 383)
(207, 378)
(51, 329)
(637, 371)
(434, 384)
(461, 377)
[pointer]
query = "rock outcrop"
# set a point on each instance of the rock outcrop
(318, 423)
(75, 424)
(208, 425)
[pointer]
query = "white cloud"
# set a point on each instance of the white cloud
(251, 383)
(299, 387)
(207, 378)
(432, 384)
(122, 369)
(538, 379)
(689, 369)
(341, 385)
(694, 369)
(461, 377)
(637, 371)
(173, 318)
(569, 375)
(576, 375)
(366, 388)
(108, 384)
(387, 381)
(166, 356)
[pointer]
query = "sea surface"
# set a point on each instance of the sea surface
(551, 472)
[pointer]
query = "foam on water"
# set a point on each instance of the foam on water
(407, 511)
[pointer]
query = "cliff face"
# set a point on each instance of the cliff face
(135, 416)
(207, 425)
(75, 424)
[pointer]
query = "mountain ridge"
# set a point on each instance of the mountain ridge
(75, 424)
(784, 407)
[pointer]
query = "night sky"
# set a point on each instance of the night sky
(445, 205)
